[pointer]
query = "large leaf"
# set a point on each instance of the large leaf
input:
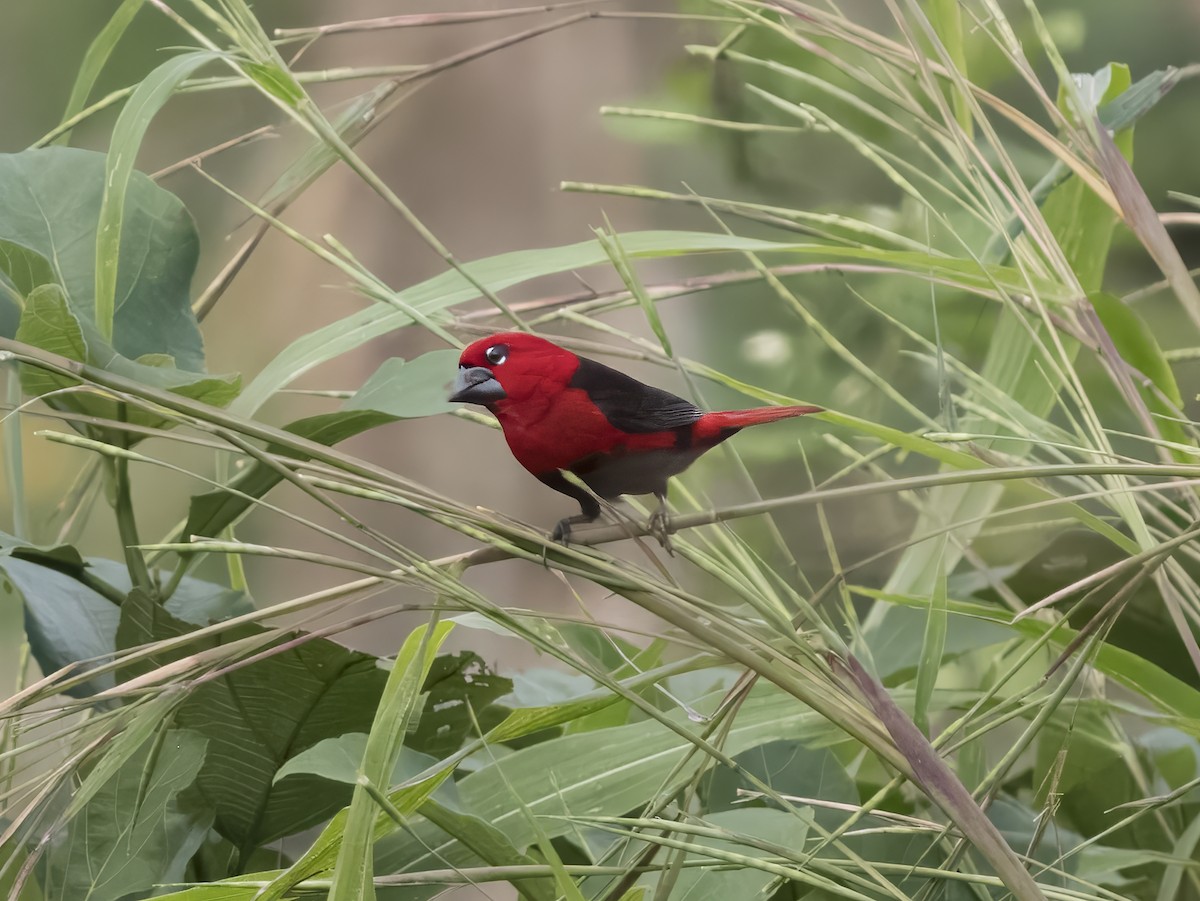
(67, 621)
(603, 772)
(50, 206)
(194, 601)
(21, 271)
(47, 321)
(461, 700)
(140, 828)
(339, 760)
(257, 717)
(410, 389)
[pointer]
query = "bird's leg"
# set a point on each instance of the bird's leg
(660, 521)
(562, 531)
(589, 507)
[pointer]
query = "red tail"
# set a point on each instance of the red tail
(719, 426)
(739, 419)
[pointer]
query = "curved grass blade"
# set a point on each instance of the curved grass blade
(97, 55)
(147, 100)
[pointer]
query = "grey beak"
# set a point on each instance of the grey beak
(476, 386)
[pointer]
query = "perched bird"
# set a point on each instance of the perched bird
(564, 413)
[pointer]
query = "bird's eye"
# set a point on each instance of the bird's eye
(496, 354)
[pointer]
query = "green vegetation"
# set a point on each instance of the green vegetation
(989, 687)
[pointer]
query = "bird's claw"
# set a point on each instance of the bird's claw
(562, 532)
(658, 527)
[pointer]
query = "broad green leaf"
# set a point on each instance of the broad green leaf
(1175, 755)
(211, 512)
(461, 694)
(1145, 628)
(47, 322)
(1097, 863)
(257, 717)
(214, 390)
(1093, 777)
(50, 205)
(151, 94)
(410, 389)
(62, 556)
(339, 759)
(195, 601)
(67, 621)
(133, 727)
(140, 829)
(895, 650)
(21, 270)
(336, 759)
(607, 772)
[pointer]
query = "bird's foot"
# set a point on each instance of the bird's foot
(659, 526)
(562, 531)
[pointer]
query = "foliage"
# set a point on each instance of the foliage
(1000, 702)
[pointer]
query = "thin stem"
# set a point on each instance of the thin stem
(14, 466)
(126, 521)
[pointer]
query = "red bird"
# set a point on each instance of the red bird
(562, 412)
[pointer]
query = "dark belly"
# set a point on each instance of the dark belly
(639, 472)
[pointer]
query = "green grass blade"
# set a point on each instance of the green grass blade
(97, 55)
(353, 875)
(932, 649)
(145, 103)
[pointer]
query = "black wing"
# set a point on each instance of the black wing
(630, 405)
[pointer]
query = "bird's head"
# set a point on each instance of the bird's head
(511, 365)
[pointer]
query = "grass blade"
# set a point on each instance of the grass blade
(145, 103)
